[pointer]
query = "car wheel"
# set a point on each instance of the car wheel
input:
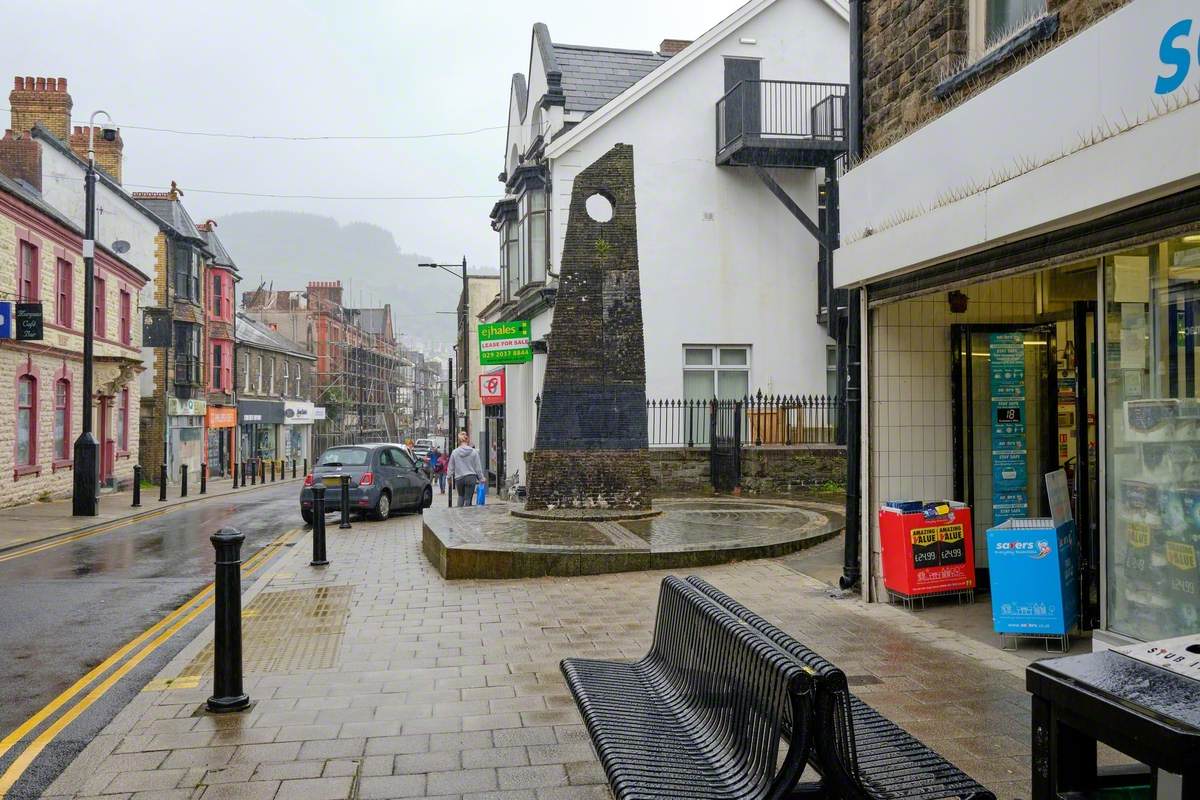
(307, 516)
(383, 506)
(426, 499)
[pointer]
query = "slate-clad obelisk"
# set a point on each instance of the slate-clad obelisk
(592, 450)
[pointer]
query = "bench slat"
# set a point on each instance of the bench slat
(865, 754)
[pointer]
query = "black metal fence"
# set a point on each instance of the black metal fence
(783, 110)
(763, 420)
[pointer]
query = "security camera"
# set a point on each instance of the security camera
(109, 134)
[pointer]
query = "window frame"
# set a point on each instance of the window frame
(714, 366)
(977, 23)
(259, 383)
(28, 271)
(123, 420)
(298, 386)
(218, 296)
(64, 293)
(99, 307)
(217, 365)
(31, 461)
(287, 378)
(190, 355)
(62, 448)
(125, 317)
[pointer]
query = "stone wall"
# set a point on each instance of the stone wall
(910, 46)
(765, 470)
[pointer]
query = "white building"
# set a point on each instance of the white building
(729, 276)
(1056, 206)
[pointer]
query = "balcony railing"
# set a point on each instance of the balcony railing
(784, 114)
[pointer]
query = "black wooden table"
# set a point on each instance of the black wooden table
(1150, 714)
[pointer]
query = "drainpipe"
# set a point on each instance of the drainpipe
(852, 557)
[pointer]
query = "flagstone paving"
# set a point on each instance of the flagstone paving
(452, 689)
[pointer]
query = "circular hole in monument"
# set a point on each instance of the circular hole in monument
(599, 208)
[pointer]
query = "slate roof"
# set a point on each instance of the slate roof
(221, 256)
(591, 76)
(254, 334)
(171, 212)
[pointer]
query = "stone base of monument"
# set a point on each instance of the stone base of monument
(492, 541)
(585, 514)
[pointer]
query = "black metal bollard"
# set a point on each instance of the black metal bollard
(137, 486)
(345, 502)
(253, 473)
(306, 466)
(183, 480)
(203, 478)
(233, 469)
(262, 471)
(293, 469)
(162, 483)
(318, 526)
(272, 470)
(227, 636)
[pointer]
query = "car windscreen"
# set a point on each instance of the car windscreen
(344, 457)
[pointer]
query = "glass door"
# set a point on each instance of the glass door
(1005, 431)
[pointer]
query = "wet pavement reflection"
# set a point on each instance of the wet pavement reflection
(65, 609)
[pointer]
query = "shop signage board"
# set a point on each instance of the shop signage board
(186, 408)
(29, 322)
(505, 343)
(1010, 457)
(6, 319)
(491, 388)
(221, 417)
(298, 412)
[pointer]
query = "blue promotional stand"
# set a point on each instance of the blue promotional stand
(1034, 569)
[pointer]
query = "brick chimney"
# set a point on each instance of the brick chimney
(43, 100)
(669, 47)
(324, 294)
(108, 154)
(21, 158)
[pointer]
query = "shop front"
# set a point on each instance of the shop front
(1029, 302)
(298, 418)
(220, 451)
(185, 436)
(260, 423)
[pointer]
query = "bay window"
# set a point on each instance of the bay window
(533, 242)
(512, 256)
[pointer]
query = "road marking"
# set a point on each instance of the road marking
(39, 547)
(22, 762)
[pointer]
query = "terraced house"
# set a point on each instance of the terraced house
(41, 262)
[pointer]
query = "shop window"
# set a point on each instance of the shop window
(123, 420)
(1151, 329)
(720, 371)
(26, 454)
(62, 420)
(27, 277)
(126, 321)
(64, 291)
(99, 320)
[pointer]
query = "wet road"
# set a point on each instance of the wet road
(66, 609)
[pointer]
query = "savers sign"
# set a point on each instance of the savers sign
(505, 343)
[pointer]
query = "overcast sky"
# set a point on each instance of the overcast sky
(348, 67)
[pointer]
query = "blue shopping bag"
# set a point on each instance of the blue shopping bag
(480, 493)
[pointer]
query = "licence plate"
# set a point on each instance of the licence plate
(332, 481)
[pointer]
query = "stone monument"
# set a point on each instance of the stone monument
(591, 453)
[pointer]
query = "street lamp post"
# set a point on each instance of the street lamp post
(85, 501)
(465, 340)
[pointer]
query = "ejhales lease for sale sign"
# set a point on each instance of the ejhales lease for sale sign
(505, 343)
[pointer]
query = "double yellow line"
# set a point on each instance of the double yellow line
(37, 547)
(157, 634)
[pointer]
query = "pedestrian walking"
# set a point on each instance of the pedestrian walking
(465, 470)
(437, 468)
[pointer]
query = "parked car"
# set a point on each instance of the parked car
(383, 478)
(421, 448)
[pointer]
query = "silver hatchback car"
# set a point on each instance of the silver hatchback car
(383, 478)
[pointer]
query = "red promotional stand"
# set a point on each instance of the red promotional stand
(926, 556)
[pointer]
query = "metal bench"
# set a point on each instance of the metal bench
(701, 716)
(860, 754)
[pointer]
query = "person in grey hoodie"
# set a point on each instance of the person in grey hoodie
(465, 470)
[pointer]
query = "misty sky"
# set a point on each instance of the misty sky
(322, 68)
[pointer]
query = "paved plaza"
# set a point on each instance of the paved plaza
(376, 678)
